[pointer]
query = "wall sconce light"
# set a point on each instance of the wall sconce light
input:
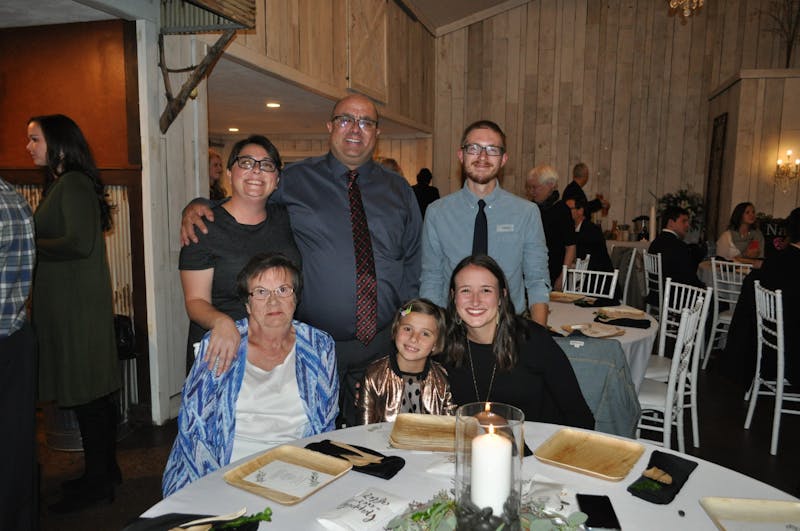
(786, 172)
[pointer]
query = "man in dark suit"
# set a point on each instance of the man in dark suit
(589, 238)
(677, 259)
(574, 190)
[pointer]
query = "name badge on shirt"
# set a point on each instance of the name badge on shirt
(509, 227)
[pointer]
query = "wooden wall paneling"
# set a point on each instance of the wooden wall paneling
(515, 100)
(752, 43)
(770, 137)
(790, 139)
(367, 48)
(459, 106)
(674, 175)
(449, 79)
(759, 189)
(497, 109)
(400, 48)
(575, 148)
(637, 132)
(744, 144)
(565, 55)
(607, 57)
(529, 86)
(693, 159)
(544, 84)
(617, 184)
(591, 94)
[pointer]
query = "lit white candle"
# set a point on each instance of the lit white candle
(491, 471)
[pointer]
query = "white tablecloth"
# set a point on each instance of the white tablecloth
(211, 495)
(639, 244)
(637, 343)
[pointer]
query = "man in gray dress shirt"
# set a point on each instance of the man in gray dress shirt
(515, 235)
(315, 194)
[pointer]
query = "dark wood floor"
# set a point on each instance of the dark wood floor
(142, 456)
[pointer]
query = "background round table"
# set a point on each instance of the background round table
(637, 343)
(211, 495)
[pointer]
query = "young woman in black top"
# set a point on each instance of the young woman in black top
(493, 355)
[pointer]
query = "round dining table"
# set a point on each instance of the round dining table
(417, 481)
(637, 343)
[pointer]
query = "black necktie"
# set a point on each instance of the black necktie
(480, 239)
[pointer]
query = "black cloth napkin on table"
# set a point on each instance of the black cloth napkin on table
(624, 321)
(386, 469)
(596, 303)
(655, 492)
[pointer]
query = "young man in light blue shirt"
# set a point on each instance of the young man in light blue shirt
(514, 227)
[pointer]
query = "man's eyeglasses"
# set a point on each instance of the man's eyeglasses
(261, 294)
(475, 149)
(344, 121)
(248, 163)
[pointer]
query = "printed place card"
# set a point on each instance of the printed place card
(369, 510)
(288, 478)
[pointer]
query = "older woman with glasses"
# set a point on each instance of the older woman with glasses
(281, 386)
(243, 226)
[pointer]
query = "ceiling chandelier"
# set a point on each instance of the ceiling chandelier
(686, 8)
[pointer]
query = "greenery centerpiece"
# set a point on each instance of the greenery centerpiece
(690, 201)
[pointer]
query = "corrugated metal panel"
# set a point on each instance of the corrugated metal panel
(118, 253)
(118, 243)
(199, 16)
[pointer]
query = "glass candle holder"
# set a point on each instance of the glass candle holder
(489, 452)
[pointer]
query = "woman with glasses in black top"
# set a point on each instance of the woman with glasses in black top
(243, 226)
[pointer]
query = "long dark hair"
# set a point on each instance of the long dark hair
(738, 214)
(67, 150)
(504, 344)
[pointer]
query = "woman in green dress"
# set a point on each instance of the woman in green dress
(72, 302)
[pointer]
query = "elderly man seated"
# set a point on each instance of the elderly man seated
(281, 386)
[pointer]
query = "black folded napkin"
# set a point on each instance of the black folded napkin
(624, 321)
(386, 469)
(597, 302)
(656, 492)
(165, 522)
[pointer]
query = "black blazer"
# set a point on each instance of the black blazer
(589, 240)
(677, 261)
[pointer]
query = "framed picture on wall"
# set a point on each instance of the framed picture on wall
(714, 182)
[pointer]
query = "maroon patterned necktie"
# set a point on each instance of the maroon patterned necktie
(366, 283)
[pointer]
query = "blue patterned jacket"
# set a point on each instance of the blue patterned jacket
(206, 421)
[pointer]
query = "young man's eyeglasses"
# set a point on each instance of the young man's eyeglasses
(475, 149)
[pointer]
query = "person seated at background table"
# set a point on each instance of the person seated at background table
(742, 241)
(589, 237)
(243, 226)
(282, 384)
(408, 381)
(779, 272)
(541, 187)
(677, 260)
(491, 354)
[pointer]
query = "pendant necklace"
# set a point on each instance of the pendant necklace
(475, 381)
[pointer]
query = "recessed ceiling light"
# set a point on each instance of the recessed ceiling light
(233, 129)
(273, 104)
